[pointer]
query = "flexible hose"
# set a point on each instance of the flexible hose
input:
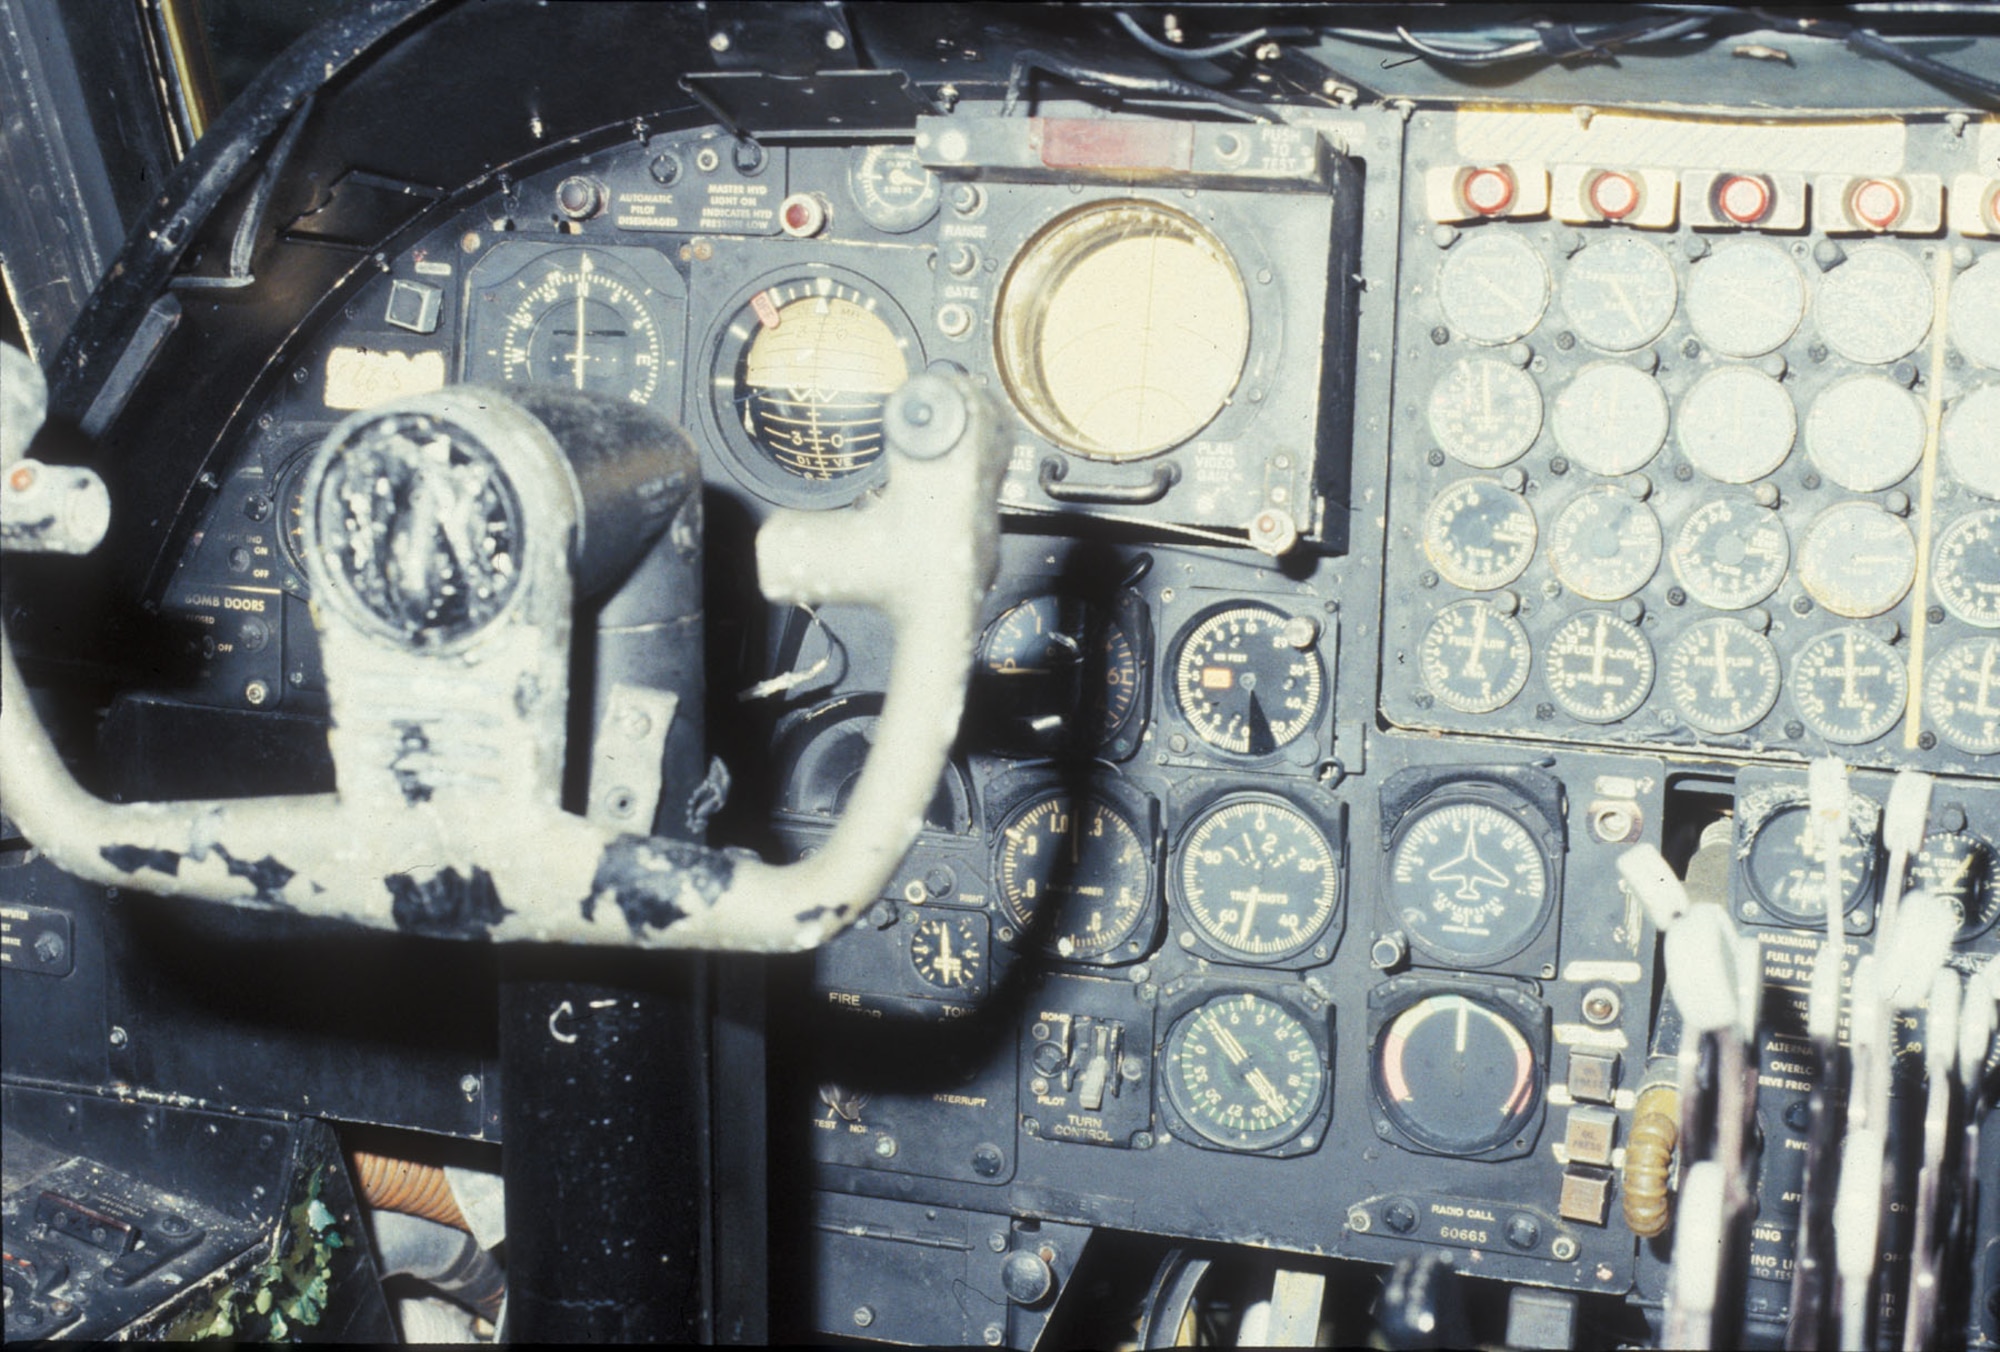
(413, 1189)
(1649, 1156)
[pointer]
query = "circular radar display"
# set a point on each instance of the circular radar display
(1964, 869)
(1866, 433)
(1457, 1074)
(583, 324)
(1737, 424)
(1259, 878)
(1620, 294)
(893, 190)
(1962, 694)
(1469, 882)
(1248, 679)
(1056, 671)
(1612, 419)
(1786, 868)
(1122, 329)
(1605, 545)
(1857, 560)
(1474, 658)
(948, 951)
(1493, 288)
(1975, 312)
(1966, 568)
(1080, 874)
(1972, 441)
(1731, 554)
(1746, 298)
(1849, 686)
(1723, 677)
(1599, 667)
(1479, 534)
(1876, 306)
(806, 368)
(1485, 412)
(1244, 1072)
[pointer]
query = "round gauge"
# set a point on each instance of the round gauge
(1457, 1074)
(1087, 866)
(1122, 328)
(1975, 311)
(1962, 694)
(1599, 667)
(1244, 1072)
(1731, 554)
(1746, 298)
(948, 951)
(1259, 878)
(290, 494)
(1475, 658)
(1605, 544)
(1737, 424)
(1849, 686)
(891, 187)
(803, 370)
(1723, 676)
(1964, 869)
(1857, 560)
(1786, 868)
(1620, 294)
(1876, 306)
(1966, 568)
(1493, 288)
(1485, 412)
(1865, 433)
(1612, 419)
(1248, 678)
(584, 323)
(1469, 882)
(1479, 534)
(1972, 441)
(1056, 671)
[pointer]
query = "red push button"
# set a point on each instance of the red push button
(1743, 199)
(1614, 195)
(1876, 203)
(1488, 191)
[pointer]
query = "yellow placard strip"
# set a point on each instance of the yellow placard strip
(1920, 590)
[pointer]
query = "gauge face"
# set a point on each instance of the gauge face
(1088, 866)
(1964, 869)
(1259, 878)
(1849, 686)
(1457, 1075)
(1975, 312)
(1866, 433)
(804, 370)
(1123, 329)
(1605, 545)
(1479, 534)
(1475, 658)
(1876, 306)
(1493, 288)
(1723, 677)
(1244, 1072)
(1737, 424)
(291, 497)
(584, 323)
(1599, 667)
(1620, 294)
(1786, 869)
(1485, 412)
(948, 951)
(892, 188)
(1966, 568)
(1731, 554)
(1857, 560)
(1612, 419)
(1244, 682)
(1056, 671)
(1962, 694)
(1972, 441)
(1468, 881)
(1746, 298)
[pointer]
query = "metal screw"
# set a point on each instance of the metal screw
(1601, 1005)
(885, 1147)
(1565, 341)
(835, 39)
(986, 1160)
(256, 693)
(468, 1085)
(1359, 1221)
(119, 1037)
(997, 1242)
(49, 946)
(863, 1316)
(1440, 335)
(1676, 597)
(994, 1335)
(1523, 1232)
(174, 1225)
(1558, 465)
(719, 42)
(1142, 1140)
(1400, 1216)
(1562, 1248)
(1927, 740)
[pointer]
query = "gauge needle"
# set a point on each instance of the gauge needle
(1475, 667)
(1267, 1091)
(1464, 1016)
(1231, 1048)
(1625, 304)
(1848, 671)
(1599, 650)
(1987, 680)
(576, 361)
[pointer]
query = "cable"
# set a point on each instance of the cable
(1173, 53)
(1027, 62)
